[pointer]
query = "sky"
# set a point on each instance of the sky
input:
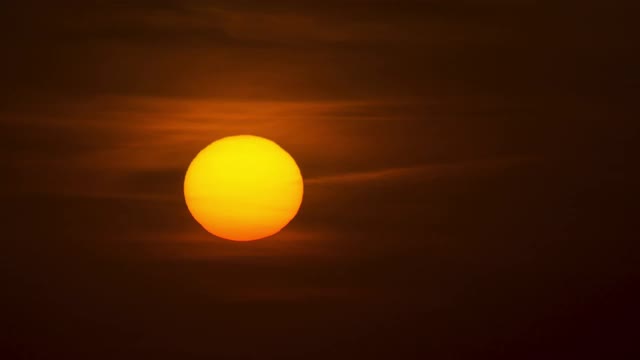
(468, 179)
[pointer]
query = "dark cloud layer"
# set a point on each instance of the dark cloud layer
(468, 165)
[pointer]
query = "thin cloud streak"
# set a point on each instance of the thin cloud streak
(407, 172)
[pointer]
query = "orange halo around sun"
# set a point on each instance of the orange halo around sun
(243, 188)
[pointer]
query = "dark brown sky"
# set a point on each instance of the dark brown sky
(468, 165)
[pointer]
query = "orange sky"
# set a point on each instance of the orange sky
(467, 167)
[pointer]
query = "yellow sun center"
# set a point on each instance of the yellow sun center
(243, 188)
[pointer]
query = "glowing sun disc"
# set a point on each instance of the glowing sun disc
(243, 188)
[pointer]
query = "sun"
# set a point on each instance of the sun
(243, 188)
